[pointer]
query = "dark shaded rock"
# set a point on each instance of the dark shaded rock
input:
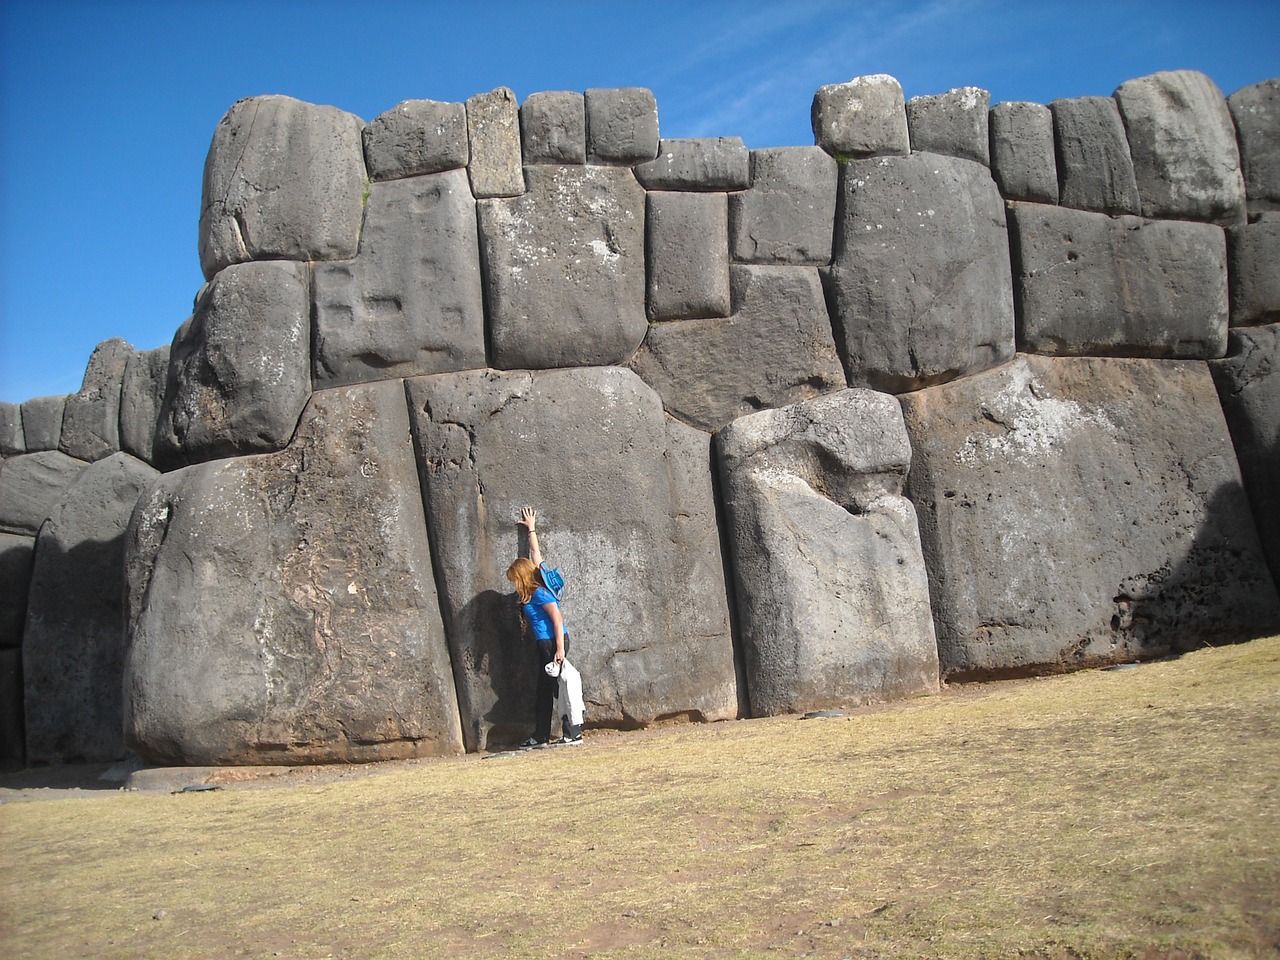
(1253, 262)
(91, 419)
(17, 554)
(703, 163)
(12, 441)
(953, 124)
(687, 255)
(1256, 112)
(862, 118)
(42, 422)
(553, 127)
(12, 738)
(1022, 157)
(146, 376)
(31, 486)
(622, 125)
(1095, 171)
(416, 137)
(787, 214)
(493, 130)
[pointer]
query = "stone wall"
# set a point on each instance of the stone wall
(959, 391)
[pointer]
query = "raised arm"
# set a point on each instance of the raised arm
(529, 520)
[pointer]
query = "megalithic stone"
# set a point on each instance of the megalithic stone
(91, 419)
(416, 137)
(42, 422)
(1256, 112)
(146, 376)
(1095, 171)
(31, 487)
(953, 124)
(865, 117)
(1022, 158)
(553, 127)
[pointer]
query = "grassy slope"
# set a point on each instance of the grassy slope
(1103, 814)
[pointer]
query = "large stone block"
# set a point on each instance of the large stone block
(632, 525)
(146, 376)
(920, 284)
(17, 554)
(622, 125)
(865, 117)
(787, 214)
(775, 349)
(31, 486)
(1253, 262)
(953, 124)
(1089, 284)
(42, 422)
(12, 441)
(282, 607)
(687, 255)
(1183, 146)
(564, 269)
(12, 738)
(1095, 171)
(493, 130)
(283, 180)
(416, 137)
(553, 127)
(832, 593)
(1256, 112)
(1082, 511)
(411, 303)
(1022, 157)
(703, 163)
(73, 646)
(239, 367)
(91, 419)
(1248, 382)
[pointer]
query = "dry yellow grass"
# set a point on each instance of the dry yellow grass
(1133, 813)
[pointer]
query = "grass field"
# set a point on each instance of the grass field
(1125, 813)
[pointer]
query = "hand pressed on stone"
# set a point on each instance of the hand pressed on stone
(528, 518)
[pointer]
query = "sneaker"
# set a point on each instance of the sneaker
(532, 743)
(569, 741)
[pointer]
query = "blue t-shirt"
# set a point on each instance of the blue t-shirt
(538, 619)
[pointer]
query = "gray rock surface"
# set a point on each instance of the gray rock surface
(74, 640)
(12, 440)
(832, 593)
(146, 376)
(283, 180)
(12, 746)
(701, 163)
(920, 284)
(953, 124)
(1095, 171)
(411, 302)
(31, 486)
(282, 607)
(1253, 262)
(865, 117)
(416, 137)
(240, 367)
(17, 554)
(1183, 146)
(1089, 284)
(553, 127)
(91, 419)
(42, 422)
(1082, 511)
(776, 349)
(1248, 382)
(632, 527)
(1022, 157)
(493, 130)
(622, 125)
(1256, 112)
(687, 255)
(564, 269)
(787, 214)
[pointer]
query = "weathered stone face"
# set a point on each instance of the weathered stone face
(1256, 112)
(920, 284)
(283, 180)
(141, 397)
(624, 508)
(17, 554)
(622, 125)
(493, 128)
(31, 487)
(833, 599)
(295, 591)
(42, 422)
(1081, 511)
(12, 441)
(700, 163)
(1253, 252)
(564, 269)
(787, 214)
(1094, 166)
(687, 247)
(865, 117)
(1022, 158)
(416, 137)
(553, 127)
(411, 302)
(91, 419)
(953, 124)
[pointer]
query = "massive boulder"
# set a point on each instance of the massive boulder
(952, 123)
(416, 137)
(1082, 511)
(700, 163)
(624, 508)
(553, 127)
(687, 255)
(31, 487)
(1256, 112)
(1094, 167)
(832, 594)
(146, 377)
(786, 216)
(622, 125)
(42, 422)
(91, 420)
(1022, 157)
(282, 607)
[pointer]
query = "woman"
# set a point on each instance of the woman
(540, 615)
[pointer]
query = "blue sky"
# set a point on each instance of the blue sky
(108, 106)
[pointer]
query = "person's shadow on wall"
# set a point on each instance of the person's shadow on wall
(494, 672)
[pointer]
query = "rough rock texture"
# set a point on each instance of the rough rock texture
(493, 130)
(1082, 511)
(31, 487)
(953, 124)
(833, 598)
(564, 268)
(1183, 146)
(622, 125)
(776, 349)
(1095, 171)
(1253, 259)
(416, 137)
(12, 746)
(239, 367)
(91, 419)
(1022, 157)
(703, 163)
(411, 302)
(553, 127)
(297, 589)
(283, 180)
(1256, 112)
(687, 255)
(1089, 284)
(920, 284)
(42, 422)
(11, 439)
(1248, 382)
(632, 525)
(141, 397)
(865, 117)
(787, 214)
(74, 640)
(17, 553)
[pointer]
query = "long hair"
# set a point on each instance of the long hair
(524, 574)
